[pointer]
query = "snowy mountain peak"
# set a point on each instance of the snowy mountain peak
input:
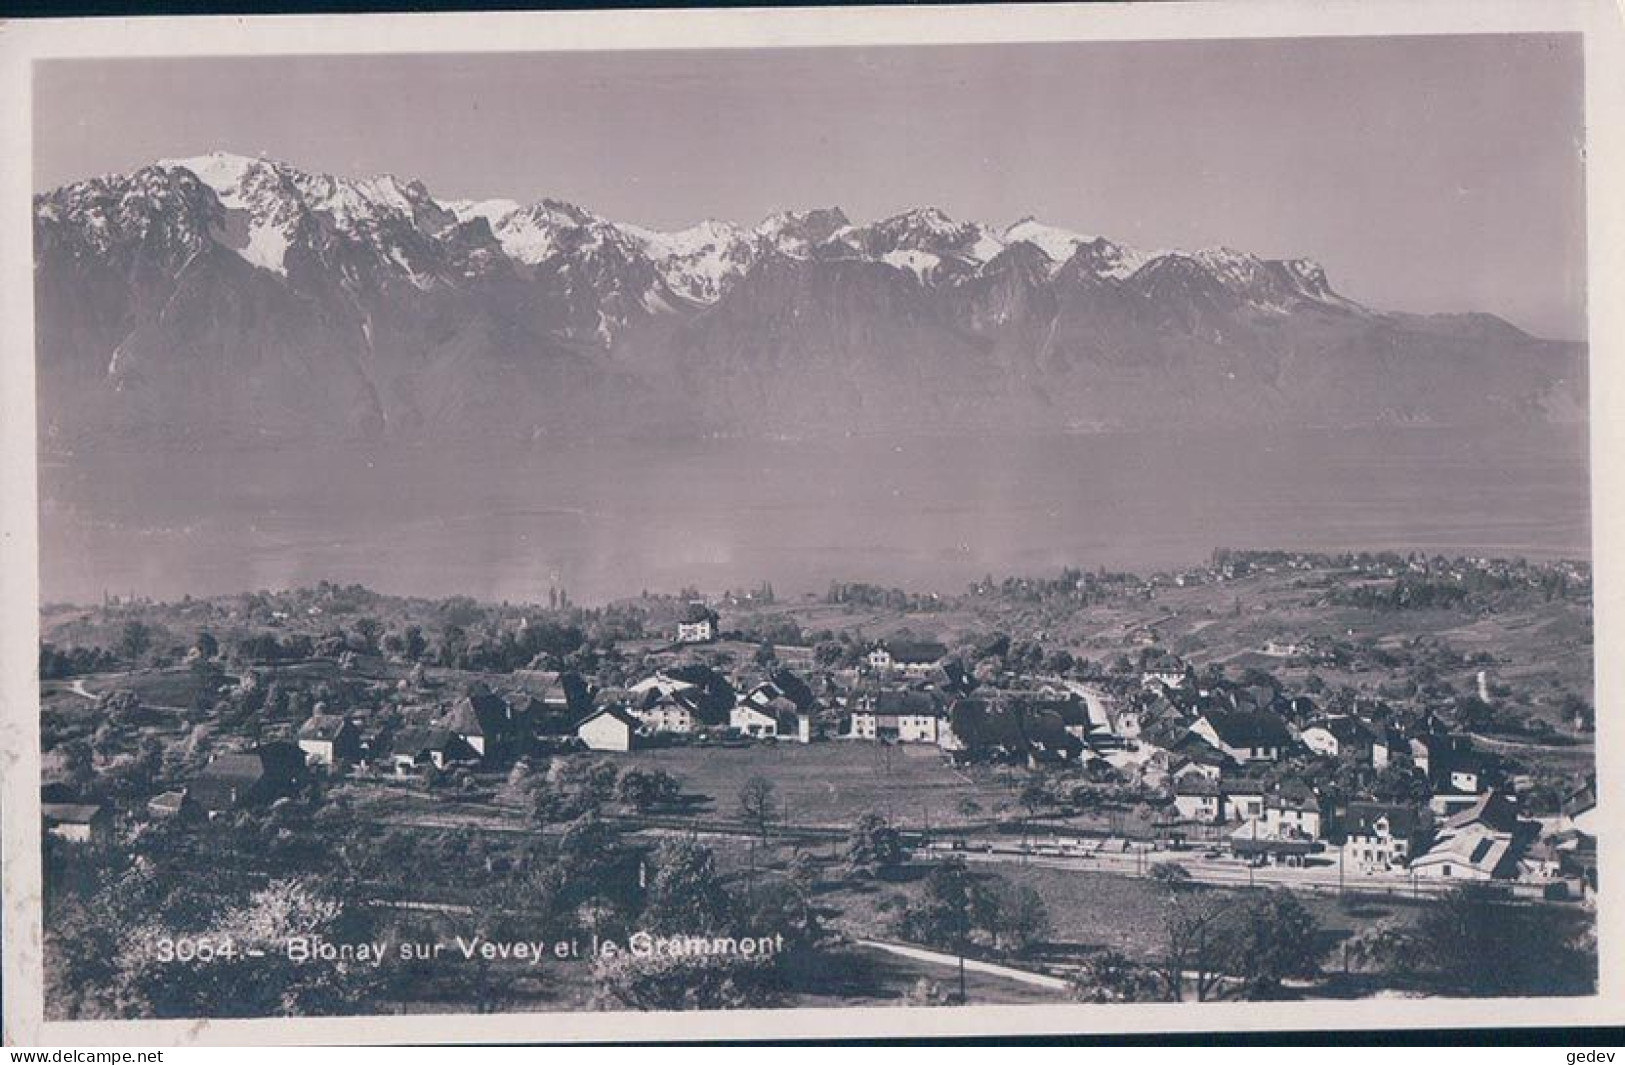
(1059, 244)
(221, 171)
(795, 233)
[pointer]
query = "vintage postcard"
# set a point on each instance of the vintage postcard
(811, 523)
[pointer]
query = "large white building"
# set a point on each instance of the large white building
(902, 716)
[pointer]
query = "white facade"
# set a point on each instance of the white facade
(1197, 807)
(702, 631)
(317, 752)
(605, 731)
(1283, 820)
(665, 717)
(1243, 806)
(749, 721)
(1376, 849)
(910, 728)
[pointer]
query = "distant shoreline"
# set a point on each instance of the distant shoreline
(1202, 572)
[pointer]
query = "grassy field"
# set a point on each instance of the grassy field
(1092, 911)
(832, 784)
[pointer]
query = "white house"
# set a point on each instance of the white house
(1198, 799)
(77, 822)
(1479, 843)
(899, 715)
(911, 658)
(328, 739)
(1336, 736)
(1168, 672)
(702, 631)
(1243, 801)
(1378, 837)
(1293, 812)
(699, 625)
(610, 729)
(749, 720)
(667, 713)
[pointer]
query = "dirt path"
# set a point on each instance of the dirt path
(1576, 749)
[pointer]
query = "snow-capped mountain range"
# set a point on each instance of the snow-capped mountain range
(278, 298)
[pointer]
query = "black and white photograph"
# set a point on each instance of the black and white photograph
(563, 526)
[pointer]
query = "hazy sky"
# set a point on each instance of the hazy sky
(1426, 173)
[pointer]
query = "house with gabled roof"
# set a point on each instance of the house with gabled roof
(1460, 776)
(608, 729)
(1198, 798)
(1337, 736)
(1482, 842)
(900, 715)
(1165, 670)
(329, 739)
(676, 710)
(1243, 798)
(916, 658)
(699, 624)
(1379, 837)
(414, 749)
(174, 804)
(481, 720)
(1245, 735)
(1293, 809)
(77, 822)
(248, 778)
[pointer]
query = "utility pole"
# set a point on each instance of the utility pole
(1252, 857)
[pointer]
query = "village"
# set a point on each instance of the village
(1127, 753)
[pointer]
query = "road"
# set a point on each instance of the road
(1052, 983)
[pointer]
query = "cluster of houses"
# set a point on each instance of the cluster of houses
(1216, 750)
(1220, 750)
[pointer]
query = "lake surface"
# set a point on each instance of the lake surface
(613, 518)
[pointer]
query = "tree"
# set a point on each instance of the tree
(1170, 874)
(1192, 935)
(601, 779)
(1483, 943)
(685, 894)
(1269, 938)
(875, 846)
(759, 804)
(1033, 798)
(270, 982)
(135, 639)
(944, 913)
(367, 630)
(207, 645)
(413, 643)
(1110, 976)
(207, 677)
(1013, 916)
(645, 789)
(682, 982)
